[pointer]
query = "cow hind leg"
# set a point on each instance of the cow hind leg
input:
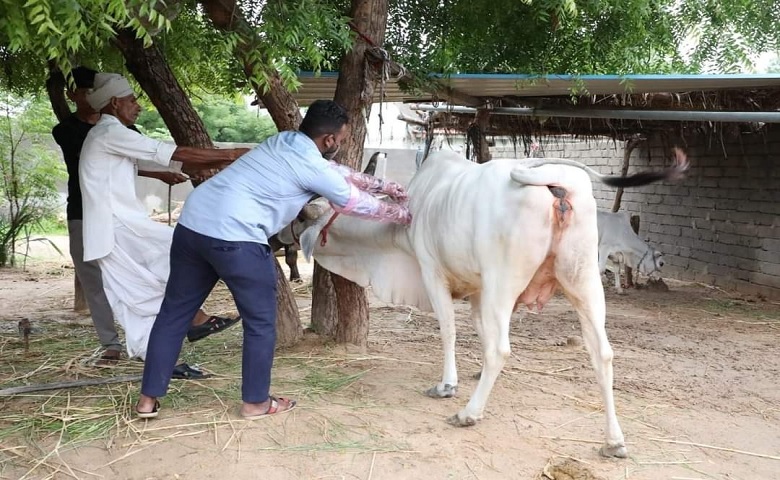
(587, 296)
(495, 313)
(476, 320)
(441, 301)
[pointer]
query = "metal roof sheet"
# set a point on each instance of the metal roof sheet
(501, 85)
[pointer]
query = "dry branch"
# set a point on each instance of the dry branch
(87, 382)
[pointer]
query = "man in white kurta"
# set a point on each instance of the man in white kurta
(132, 250)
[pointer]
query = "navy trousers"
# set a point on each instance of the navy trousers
(197, 262)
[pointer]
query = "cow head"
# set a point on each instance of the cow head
(651, 262)
(308, 223)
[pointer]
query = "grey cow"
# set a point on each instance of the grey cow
(620, 246)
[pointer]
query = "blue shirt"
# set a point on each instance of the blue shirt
(262, 191)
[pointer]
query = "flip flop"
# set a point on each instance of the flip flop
(273, 408)
(213, 325)
(152, 414)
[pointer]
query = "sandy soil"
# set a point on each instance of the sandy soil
(697, 386)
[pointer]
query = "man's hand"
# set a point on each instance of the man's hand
(237, 152)
(396, 191)
(171, 178)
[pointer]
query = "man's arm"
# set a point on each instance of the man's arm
(346, 198)
(371, 184)
(207, 156)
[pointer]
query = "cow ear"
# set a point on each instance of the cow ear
(312, 211)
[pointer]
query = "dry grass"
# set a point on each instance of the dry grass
(36, 427)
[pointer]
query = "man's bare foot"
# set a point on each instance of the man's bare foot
(273, 405)
(147, 407)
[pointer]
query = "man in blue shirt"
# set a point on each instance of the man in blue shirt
(223, 233)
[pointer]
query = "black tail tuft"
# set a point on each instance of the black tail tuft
(638, 179)
(672, 174)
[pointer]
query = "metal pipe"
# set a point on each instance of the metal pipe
(668, 115)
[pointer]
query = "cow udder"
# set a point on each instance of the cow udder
(542, 286)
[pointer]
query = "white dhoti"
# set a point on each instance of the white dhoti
(134, 277)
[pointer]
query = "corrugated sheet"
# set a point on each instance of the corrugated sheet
(495, 85)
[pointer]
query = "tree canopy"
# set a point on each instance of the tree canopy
(581, 36)
(442, 36)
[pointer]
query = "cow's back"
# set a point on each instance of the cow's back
(471, 219)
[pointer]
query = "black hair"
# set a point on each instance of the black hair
(83, 77)
(323, 117)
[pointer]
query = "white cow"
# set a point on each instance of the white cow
(620, 246)
(502, 233)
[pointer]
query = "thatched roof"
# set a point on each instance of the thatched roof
(586, 93)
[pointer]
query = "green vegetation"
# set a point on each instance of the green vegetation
(29, 172)
(226, 120)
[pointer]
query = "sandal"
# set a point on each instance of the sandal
(152, 414)
(273, 408)
(109, 357)
(213, 325)
(183, 371)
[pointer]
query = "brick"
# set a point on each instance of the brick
(705, 257)
(764, 279)
(770, 208)
(769, 268)
(767, 256)
(733, 183)
(671, 230)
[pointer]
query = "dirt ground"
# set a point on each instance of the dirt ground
(697, 390)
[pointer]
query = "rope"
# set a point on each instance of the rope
(380, 55)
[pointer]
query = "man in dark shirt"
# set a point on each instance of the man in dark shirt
(70, 135)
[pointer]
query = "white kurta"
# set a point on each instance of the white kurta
(132, 250)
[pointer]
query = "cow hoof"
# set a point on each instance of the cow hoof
(456, 421)
(616, 451)
(449, 391)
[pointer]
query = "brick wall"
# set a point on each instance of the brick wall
(721, 225)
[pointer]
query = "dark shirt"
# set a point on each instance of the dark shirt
(70, 135)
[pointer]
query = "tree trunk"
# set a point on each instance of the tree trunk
(287, 333)
(324, 316)
(150, 69)
(279, 102)
(55, 87)
(355, 91)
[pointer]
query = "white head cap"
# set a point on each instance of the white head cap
(107, 86)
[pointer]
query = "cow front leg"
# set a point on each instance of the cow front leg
(618, 283)
(494, 318)
(441, 301)
(588, 299)
(291, 259)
